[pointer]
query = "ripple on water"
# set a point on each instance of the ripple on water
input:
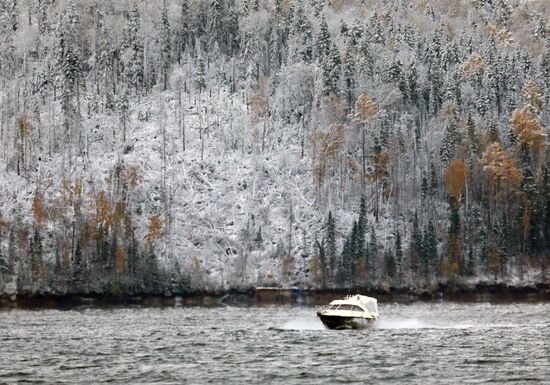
(414, 343)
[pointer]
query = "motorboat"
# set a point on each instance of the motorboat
(353, 312)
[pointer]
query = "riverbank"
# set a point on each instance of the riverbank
(278, 296)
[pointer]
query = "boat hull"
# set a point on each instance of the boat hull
(340, 322)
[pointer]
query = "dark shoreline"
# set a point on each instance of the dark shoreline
(498, 293)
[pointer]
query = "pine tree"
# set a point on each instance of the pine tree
(133, 50)
(183, 35)
(321, 250)
(69, 63)
(391, 267)
(545, 69)
(429, 249)
(502, 12)
(366, 58)
(451, 139)
(330, 236)
(11, 9)
(375, 29)
(12, 256)
(412, 85)
(200, 73)
(42, 16)
(332, 72)
(79, 270)
(473, 145)
(323, 41)
(274, 50)
(394, 71)
(103, 64)
(302, 32)
(416, 244)
(398, 254)
(36, 255)
(165, 45)
(349, 74)
(215, 22)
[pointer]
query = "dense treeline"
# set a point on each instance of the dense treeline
(420, 129)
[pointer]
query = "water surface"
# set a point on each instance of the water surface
(419, 343)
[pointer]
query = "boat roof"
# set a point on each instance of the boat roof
(357, 299)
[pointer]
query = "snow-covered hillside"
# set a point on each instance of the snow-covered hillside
(210, 145)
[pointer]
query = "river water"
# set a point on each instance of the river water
(419, 343)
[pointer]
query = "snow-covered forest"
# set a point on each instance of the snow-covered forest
(205, 145)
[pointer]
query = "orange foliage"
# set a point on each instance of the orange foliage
(455, 178)
(118, 213)
(328, 146)
(120, 259)
(131, 176)
(532, 96)
(335, 110)
(365, 109)
(66, 192)
(505, 36)
(492, 29)
(38, 208)
(155, 228)
(24, 127)
(71, 194)
(314, 271)
(474, 64)
(500, 166)
(380, 164)
(527, 128)
(103, 207)
(259, 102)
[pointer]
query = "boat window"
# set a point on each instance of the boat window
(371, 306)
(357, 308)
(345, 307)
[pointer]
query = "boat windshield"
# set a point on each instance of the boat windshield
(345, 307)
(371, 306)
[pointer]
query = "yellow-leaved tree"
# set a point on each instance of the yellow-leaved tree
(365, 112)
(455, 179)
(527, 128)
(155, 229)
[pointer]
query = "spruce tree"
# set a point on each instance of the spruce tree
(69, 64)
(215, 22)
(200, 73)
(36, 254)
(182, 37)
(349, 75)
(42, 16)
(165, 45)
(104, 68)
(323, 41)
(429, 249)
(451, 139)
(391, 267)
(398, 254)
(79, 271)
(332, 69)
(133, 50)
(416, 244)
(375, 29)
(330, 236)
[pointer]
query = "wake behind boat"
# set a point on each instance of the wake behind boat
(352, 312)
